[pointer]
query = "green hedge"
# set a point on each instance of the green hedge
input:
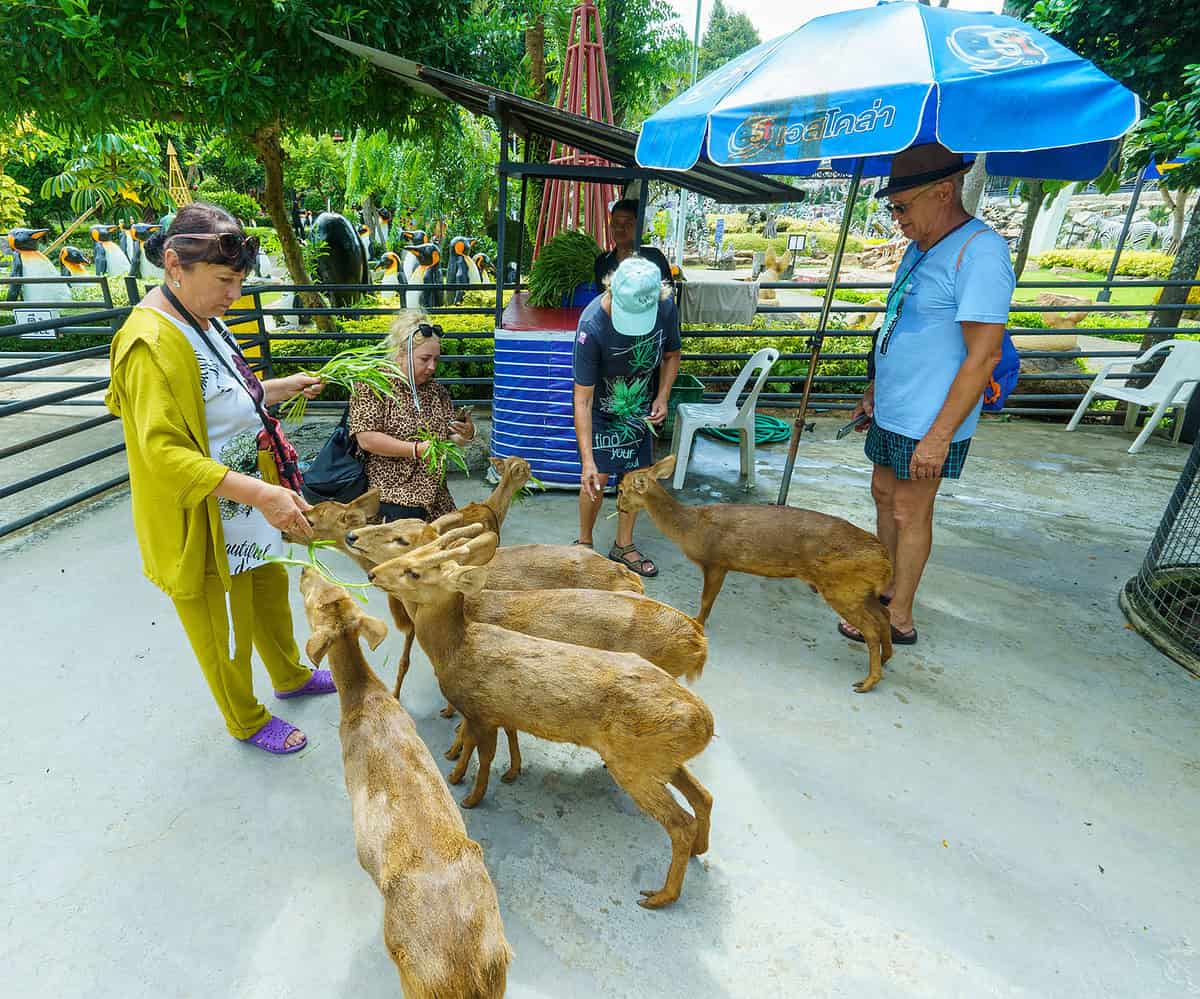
(241, 206)
(1133, 263)
(825, 241)
(794, 369)
(269, 239)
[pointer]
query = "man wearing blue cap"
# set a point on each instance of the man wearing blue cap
(626, 358)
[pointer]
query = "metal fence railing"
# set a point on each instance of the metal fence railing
(59, 447)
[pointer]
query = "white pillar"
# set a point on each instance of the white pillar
(1049, 221)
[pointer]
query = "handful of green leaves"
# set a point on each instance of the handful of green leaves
(527, 489)
(314, 562)
(374, 365)
(566, 261)
(441, 453)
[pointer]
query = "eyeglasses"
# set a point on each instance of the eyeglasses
(897, 210)
(231, 245)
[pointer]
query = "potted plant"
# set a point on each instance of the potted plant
(561, 276)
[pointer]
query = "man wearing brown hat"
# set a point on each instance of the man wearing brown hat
(940, 339)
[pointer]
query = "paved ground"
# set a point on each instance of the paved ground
(1011, 813)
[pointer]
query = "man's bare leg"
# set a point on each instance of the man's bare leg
(912, 513)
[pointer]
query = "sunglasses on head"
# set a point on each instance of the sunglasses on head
(429, 329)
(232, 246)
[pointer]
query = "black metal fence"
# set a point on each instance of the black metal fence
(28, 365)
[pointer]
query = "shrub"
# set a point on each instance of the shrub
(822, 240)
(240, 206)
(1133, 263)
(269, 239)
(734, 221)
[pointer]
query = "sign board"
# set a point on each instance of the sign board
(796, 241)
(719, 233)
(22, 316)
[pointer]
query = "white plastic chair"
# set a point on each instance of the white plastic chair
(1171, 386)
(726, 415)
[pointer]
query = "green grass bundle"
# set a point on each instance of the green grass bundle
(373, 366)
(526, 491)
(565, 262)
(314, 562)
(442, 453)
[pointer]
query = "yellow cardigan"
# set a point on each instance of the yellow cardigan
(155, 390)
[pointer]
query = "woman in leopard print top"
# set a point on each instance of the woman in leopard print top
(389, 430)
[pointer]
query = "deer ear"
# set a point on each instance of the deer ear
(663, 469)
(372, 629)
(368, 503)
(497, 464)
(447, 521)
(318, 645)
(469, 580)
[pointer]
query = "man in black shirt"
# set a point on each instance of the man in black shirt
(623, 220)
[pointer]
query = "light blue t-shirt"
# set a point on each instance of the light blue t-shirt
(916, 365)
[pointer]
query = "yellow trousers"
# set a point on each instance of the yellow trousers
(262, 618)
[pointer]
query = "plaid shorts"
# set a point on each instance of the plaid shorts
(895, 451)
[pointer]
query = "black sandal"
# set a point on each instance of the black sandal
(898, 637)
(618, 552)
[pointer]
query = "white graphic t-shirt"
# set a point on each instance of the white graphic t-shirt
(233, 427)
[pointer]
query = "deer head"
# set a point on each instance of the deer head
(636, 486)
(517, 470)
(379, 542)
(441, 567)
(332, 521)
(332, 613)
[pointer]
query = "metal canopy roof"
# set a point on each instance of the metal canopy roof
(726, 185)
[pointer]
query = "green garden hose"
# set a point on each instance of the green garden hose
(767, 430)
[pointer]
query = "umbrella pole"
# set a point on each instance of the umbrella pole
(819, 337)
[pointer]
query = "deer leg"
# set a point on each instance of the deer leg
(514, 757)
(885, 626)
(700, 799)
(405, 659)
(714, 579)
(456, 748)
(464, 757)
(874, 624)
(650, 794)
(487, 750)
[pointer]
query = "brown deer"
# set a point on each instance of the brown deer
(644, 725)
(514, 475)
(847, 566)
(590, 613)
(441, 921)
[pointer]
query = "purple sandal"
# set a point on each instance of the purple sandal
(321, 682)
(273, 738)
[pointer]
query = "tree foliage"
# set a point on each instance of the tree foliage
(728, 35)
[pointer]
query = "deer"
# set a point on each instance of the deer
(595, 616)
(644, 724)
(515, 474)
(441, 921)
(846, 565)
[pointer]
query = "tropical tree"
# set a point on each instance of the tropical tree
(114, 170)
(21, 147)
(728, 35)
(256, 71)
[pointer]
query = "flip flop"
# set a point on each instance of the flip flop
(273, 738)
(898, 637)
(321, 682)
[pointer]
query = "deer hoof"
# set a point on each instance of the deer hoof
(454, 752)
(656, 899)
(864, 685)
(447, 711)
(471, 800)
(510, 775)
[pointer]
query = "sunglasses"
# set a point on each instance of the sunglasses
(232, 246)
(902, 209)
(429, 329)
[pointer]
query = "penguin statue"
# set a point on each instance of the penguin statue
(393, 275)
(383, 230)
(110, 259)
(30, 262)
(264, 266)
(141, 267)
(411, 237)
(364, 237)
(343, 260)
(461, 269)
(72, 262)
(166, 221)
(126, 240)
(487, 270)
(427, 274)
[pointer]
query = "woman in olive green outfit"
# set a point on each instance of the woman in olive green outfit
(207, 504)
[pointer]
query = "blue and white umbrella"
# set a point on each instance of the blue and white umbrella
(853, 88)
(849, 90)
